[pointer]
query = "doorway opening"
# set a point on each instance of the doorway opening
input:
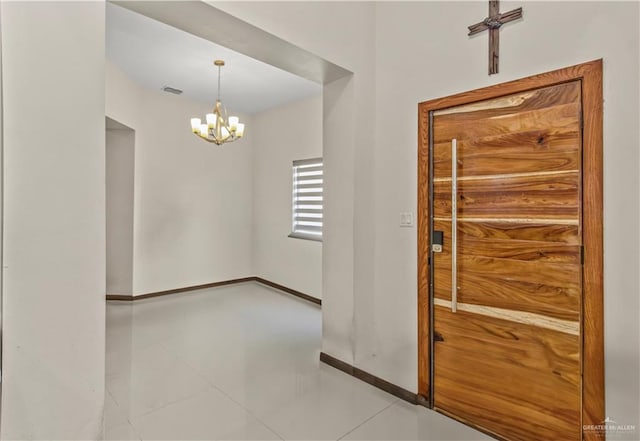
(119, 159)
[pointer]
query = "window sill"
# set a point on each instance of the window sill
(311, 237)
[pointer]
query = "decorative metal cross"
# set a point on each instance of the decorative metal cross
(493, 23)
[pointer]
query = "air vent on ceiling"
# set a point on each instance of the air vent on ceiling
(172, 90)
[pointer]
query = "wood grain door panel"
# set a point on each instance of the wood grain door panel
(530, 196)
(526, 151)
(510, 359)
(518, 381)
(550, 108)
(552, 290)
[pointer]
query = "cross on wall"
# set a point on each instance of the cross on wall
(493, 23)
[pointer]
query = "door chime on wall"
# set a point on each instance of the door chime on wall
(218, 128)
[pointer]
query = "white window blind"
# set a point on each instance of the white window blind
(307, 199)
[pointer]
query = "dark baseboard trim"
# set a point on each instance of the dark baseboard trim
(129, 298)
(397, 391)
(179, 290)
(302, 295)
(119, 297)
(378, 382)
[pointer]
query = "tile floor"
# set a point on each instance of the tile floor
(241, 363)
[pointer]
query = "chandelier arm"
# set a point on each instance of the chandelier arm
(208, 140)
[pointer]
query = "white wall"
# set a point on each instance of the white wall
(420, 51)
(120, 150)
(1, 200)
(54, 220)
(192, 199)
(343, 33)
(295, 263)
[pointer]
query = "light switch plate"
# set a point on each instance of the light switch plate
(406, 219)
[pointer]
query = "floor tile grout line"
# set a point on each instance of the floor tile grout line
(184, 361)
(246, 410)
(370, 418)
(213, 385)
(129, 417)
(126, 414)
(106, 389)
(135, 431)
(249, 412)
(200, 392)
(126, 423)
(108, 392)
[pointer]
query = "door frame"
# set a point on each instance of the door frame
(592, 321)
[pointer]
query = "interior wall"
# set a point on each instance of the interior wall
(292, 262)
(421, 51)
(1, 204)
(347, 36)
(120, 149)
(192, 199)
(54, 220)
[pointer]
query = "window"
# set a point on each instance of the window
(306, 213)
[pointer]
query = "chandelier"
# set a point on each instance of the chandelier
(218, 128)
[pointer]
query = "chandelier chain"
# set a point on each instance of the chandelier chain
(218, 83)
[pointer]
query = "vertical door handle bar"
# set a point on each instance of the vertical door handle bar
(454, 225)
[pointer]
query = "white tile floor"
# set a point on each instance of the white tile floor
(241, 363)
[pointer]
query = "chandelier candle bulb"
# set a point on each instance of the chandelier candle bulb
(218, 128)
(195, 125)
(211, 120)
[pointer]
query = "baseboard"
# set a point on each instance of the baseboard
(129, 298)
(378, 382)
(302, 295)
(120, 297)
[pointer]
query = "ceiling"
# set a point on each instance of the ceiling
(155, 55)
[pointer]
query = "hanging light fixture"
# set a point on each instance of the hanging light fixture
(218, 129)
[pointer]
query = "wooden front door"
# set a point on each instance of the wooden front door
(506, 290)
